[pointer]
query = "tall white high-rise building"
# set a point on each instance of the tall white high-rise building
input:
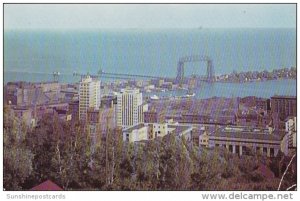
(130, 108)
(89, 96)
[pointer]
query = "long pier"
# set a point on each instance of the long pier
(103, 74)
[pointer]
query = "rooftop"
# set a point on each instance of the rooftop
(47, 186)
(130, 90)
(132, 128)
(250, 135)
(179, 129)
(261, 99)
(86, 79)
(283, 97)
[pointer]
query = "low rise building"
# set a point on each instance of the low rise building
(62, 113)
(135, 133)
(151, 116)
(150, 131)
(203, 139)
(25, 114)
(30, 94)
(69, 94)
(263, 103)
(74, 110)
(242, 140)
(249, 118)
(284, 106)
(206, 119)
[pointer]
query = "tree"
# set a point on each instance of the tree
(17, 159)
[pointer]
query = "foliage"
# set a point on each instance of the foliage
(17, 158)
(64, 153)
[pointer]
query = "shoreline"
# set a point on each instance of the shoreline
(257, 81)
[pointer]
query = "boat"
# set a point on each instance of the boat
(183, 88)
(154, 97)
(190, 95)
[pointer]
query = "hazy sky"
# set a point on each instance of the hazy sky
(97, 16)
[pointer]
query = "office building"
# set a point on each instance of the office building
(130, 108)
(89, 96)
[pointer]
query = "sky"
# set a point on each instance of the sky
(148, 16)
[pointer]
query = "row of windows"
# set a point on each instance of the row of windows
(159, 127)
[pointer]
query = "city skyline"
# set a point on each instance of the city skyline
(209, 107)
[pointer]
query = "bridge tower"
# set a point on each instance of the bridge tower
(56, 75)
(195, 58)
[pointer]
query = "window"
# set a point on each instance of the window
(265, 150)
(244, 150)
(230, 148)
(272, 154)
(237, 149)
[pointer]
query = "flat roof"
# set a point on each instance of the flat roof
(261, 99)
(283, 97)
(179, 129)
(138, 126)
(129, 91)
(275, 136)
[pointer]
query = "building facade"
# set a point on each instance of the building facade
(30, 94)
(284, 106)
(144, 131)
(130, 108)
(74, 110)
(89, 96)
(262, 103)
(291, 130)
(244, 141)
(151, 117)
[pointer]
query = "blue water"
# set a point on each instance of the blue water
(259, 89)
(149, 52)
(36, 54)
